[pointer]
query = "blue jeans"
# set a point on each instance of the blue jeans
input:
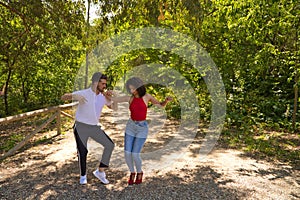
(135, 138)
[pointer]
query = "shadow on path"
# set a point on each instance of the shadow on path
(50, 171)
(62, 183)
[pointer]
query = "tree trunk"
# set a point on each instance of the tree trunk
(295, 99)
(296, 91)
(87, 52)
(6, 90)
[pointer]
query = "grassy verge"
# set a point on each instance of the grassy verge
(283, 146)
(13, 133)
(271, 145)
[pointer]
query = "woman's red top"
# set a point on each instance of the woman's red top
(138, 109)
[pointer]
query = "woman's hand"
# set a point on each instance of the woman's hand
(168, 99)
(108, 94)
(164, 103)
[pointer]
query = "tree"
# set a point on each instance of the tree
(35, 35)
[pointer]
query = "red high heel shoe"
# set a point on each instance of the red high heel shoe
(131, 178)
(139, 178)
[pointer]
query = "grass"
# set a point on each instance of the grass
(13, 133)
(272, 145)
(282, 146)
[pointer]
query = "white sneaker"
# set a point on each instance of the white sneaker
(83, 180)
(101, 176)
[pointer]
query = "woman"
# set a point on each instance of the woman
(136, 130)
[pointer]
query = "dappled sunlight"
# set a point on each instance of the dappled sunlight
(50, 170)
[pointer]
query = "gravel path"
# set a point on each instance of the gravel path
(50, 171)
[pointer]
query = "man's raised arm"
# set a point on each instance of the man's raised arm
(70, 96)
(66, 97)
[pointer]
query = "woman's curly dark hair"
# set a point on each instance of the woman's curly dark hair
(138, 84)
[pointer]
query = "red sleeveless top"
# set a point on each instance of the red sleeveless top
(138, 109)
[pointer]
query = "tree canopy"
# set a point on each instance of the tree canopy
(254, 44)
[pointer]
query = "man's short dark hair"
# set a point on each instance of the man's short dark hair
(97, 76)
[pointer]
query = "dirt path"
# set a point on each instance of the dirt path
(50, 171)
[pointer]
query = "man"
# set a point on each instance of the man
(91, 101)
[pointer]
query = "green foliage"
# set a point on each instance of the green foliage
(254, 44)
(40, 51)
(11, 142)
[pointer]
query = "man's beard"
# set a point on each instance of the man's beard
(99, 89)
